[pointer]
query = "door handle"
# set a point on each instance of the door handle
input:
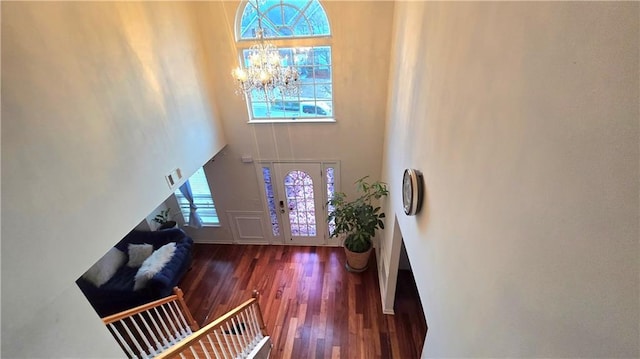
(281, 206)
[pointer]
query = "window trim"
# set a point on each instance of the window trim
(272, 120)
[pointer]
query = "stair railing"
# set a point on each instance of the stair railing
(240, 333)
(148, 330)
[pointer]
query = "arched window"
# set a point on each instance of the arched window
(299, 193)
(283, 22)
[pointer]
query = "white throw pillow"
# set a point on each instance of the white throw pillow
(138, 253)
(154, 264)
(105, 267)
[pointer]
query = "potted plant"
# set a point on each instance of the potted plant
(164, 219)
(358, 220)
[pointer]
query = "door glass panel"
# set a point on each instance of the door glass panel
(302, 214)
(330, 191)
(271, 201)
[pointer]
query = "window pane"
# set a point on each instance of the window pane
(330, 192)
(271, 202)
(307, 91)
(201, 198)
(299, 194)
(286, 18)
(322, 74)
(321, 55)
(323, 91)
(314, 98)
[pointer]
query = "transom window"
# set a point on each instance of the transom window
(284, 18)
(283, 21)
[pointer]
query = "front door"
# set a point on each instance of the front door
(300, 202)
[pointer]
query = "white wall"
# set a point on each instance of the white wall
(99, 102)
(360, 49)
(524, 119)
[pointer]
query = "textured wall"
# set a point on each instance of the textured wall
(99, 102)
(523, 118)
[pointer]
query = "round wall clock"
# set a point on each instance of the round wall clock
(412, 191)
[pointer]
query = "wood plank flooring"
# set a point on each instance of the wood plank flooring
(312, 306)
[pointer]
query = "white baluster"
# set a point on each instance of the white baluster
(250, 329)
(240, 335)
(237, 347)
(183, 322)
(167, 332)
(183, 333)
(150, 348)
(134, 340)
(153, 336)
(228, 349)
(256, 322)
(165, 342)
(122, 341)
(257, 333)
(176, 335)
(193, 351)
(215, 351)
(204, 349)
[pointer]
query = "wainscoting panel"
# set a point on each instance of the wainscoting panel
(247, 227)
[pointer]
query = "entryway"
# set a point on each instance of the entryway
(407, 305)
(295, 195)
(300, 202)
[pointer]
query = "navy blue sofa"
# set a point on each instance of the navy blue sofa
(117, 294)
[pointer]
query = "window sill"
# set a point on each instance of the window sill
(205, 226)
(293, 120)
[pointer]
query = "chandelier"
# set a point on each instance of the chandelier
(264, 72)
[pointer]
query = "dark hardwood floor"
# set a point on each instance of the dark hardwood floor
(312, 306)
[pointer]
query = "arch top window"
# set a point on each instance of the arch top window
(299, 86)
(283, 19)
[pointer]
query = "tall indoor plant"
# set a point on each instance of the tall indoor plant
(358, 220)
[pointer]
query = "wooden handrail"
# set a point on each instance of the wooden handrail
(187, 342)
(177, 296)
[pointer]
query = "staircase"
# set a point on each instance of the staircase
(166, 329)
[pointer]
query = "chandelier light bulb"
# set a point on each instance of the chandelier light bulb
(240, 74)
(254, 59)
(275, 59)
(264, 76)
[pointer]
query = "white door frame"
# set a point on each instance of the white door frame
(325, 164)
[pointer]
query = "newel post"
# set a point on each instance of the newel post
(192, 323)
(263, 328)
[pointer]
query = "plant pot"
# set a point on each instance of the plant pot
(167, 225)
(357, 262)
